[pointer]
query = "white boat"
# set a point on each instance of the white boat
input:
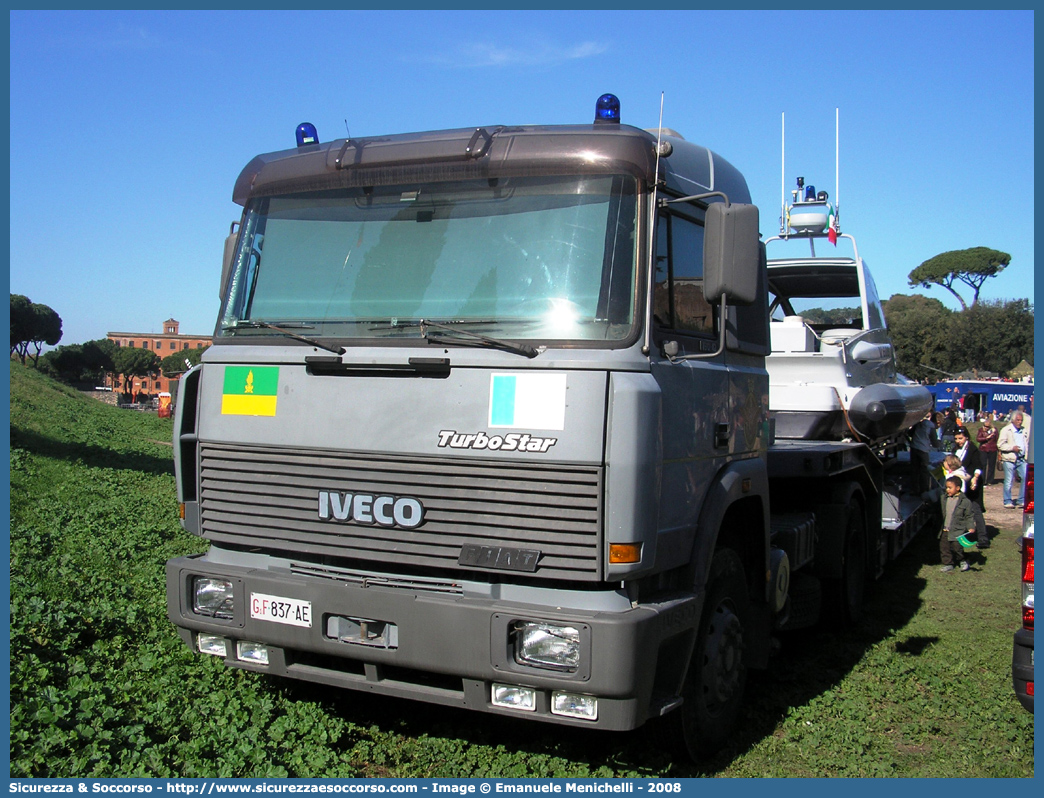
(832, 373)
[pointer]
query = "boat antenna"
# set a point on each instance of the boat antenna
(783, 174)
(837, 168)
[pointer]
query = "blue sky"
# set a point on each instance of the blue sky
(128, 129)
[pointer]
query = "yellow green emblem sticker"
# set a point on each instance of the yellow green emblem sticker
(250, 391)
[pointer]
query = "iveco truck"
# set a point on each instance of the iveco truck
(486, 424)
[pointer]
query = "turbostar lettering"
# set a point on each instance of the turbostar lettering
(512, 442)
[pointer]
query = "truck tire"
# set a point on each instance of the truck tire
(717, 676)
(844, 597)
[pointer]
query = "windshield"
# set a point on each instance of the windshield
(528, 257)
(830, 294)
(820, 294)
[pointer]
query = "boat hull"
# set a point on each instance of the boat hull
(884, 409)
(876, 411)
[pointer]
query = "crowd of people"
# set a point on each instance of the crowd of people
(967, 468)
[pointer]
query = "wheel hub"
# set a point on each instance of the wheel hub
(723, 657)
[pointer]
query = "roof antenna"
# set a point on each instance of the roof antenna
(837, 168)
(659, 134)
(653, 212)
(783, 176)
(339, 160)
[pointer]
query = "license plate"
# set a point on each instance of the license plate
(280, 609)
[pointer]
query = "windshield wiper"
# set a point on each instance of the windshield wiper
(405, 324)
(444, 333)
(255, 323)
(447, 334)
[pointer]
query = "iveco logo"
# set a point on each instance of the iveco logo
(365, 508)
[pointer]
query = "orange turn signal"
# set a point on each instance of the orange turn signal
(181, 511)
(625, 552)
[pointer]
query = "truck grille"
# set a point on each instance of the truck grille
(267, 497)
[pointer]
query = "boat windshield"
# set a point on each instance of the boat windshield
(830, 294)
(821, 295)
(538, 258)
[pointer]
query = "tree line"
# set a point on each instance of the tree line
(91, 362)
(929, 338)
(34, 325)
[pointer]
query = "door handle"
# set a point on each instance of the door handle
(721, 436)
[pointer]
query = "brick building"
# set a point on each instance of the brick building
(163, 344)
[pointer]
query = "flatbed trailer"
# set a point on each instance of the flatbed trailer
(816, 488)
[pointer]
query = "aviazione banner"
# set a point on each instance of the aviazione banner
(983, 395)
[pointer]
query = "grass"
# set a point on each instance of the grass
(101, 685)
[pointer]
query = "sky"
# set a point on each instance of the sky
(129, 128)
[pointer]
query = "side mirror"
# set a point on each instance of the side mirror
(226, 266)
(730, 253)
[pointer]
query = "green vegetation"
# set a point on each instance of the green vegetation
(133, 361)
(930, 338)
(32, 324)
(972, 267)
(86, 363)
(101, 685)
(177, 363)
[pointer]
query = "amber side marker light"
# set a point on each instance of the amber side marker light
(625, 552)
(181, 511)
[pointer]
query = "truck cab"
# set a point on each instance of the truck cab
(484, 424)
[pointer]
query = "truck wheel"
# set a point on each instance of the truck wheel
(845, 596)
(717, 676)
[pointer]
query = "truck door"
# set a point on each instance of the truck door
(696, 431)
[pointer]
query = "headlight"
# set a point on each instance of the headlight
(544, 645)
(212, 597)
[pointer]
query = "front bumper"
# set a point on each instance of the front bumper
(1022, 667)
(450, 647)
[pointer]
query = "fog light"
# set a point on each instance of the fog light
(543, 645)
(514, 697)
(212, 597)
(248, 651)
(211, 644)
(574, 705)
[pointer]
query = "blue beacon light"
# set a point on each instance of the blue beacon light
(307, 134)
(810, 193)
(607, 109)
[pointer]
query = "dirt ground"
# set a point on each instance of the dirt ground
(996, 515)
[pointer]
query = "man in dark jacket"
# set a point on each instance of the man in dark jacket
(948, 428)
(972, 461)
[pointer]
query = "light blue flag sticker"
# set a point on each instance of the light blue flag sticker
(527, 401)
